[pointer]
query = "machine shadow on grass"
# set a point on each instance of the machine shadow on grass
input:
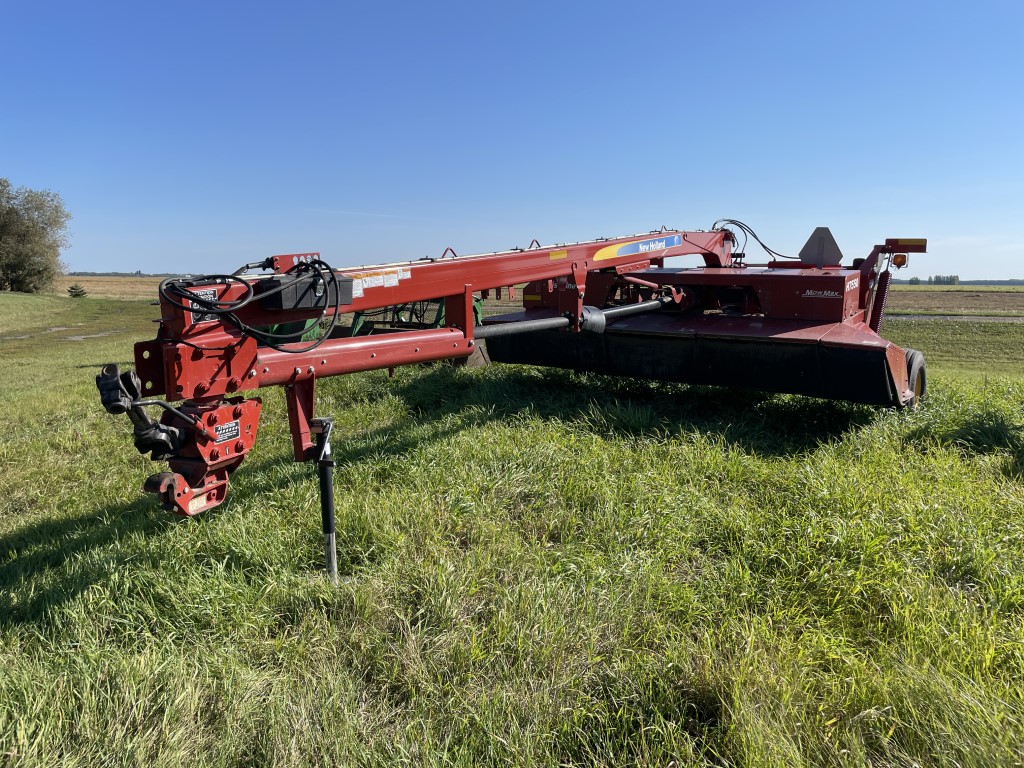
(756, 422)
(46, 564)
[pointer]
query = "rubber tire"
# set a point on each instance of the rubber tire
(917, 377)
(478, 359)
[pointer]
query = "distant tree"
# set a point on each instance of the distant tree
(915, 281)
(77, 292)
(929, 279)
(33, 230)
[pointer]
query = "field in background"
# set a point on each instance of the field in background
(962, 349)
(902, 287)
(968, 300)
(540, 568)
(904, 299)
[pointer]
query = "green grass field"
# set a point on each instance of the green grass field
(539, 568)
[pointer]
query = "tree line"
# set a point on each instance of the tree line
(937, 280)
(33, 231)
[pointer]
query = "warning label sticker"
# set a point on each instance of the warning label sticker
(209, 294)
(380, 278)
(229, 431)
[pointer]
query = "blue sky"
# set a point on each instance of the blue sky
(194, 136)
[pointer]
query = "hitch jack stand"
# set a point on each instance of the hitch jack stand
(325, 470)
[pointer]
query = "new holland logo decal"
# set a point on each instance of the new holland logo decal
(651, 245)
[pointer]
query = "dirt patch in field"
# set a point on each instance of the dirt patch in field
(84, 336)
(58, 329)
(105, 287)
(957, 302)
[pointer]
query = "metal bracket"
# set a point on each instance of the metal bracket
(321, 428)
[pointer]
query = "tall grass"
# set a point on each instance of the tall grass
(539, 568)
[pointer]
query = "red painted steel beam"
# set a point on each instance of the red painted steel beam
(407, 282)
(361, 353)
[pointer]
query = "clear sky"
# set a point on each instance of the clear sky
(195, 136)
